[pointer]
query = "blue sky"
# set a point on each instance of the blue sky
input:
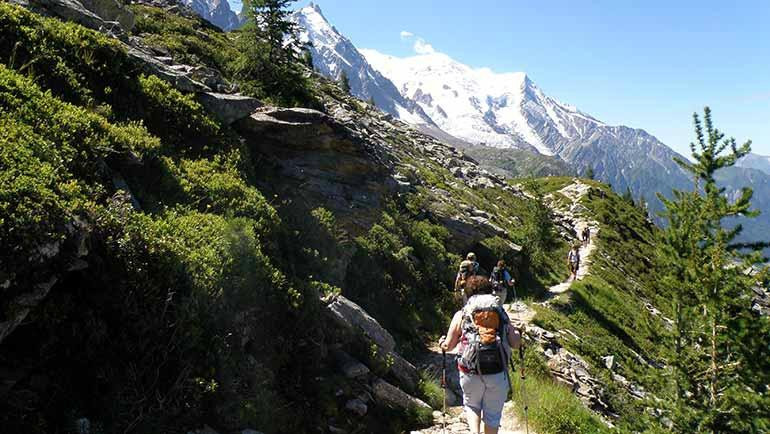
(646, 64)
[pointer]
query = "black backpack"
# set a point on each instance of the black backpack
(498, 277)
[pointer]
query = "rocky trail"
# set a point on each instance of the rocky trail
(565, 366)
(571, 219)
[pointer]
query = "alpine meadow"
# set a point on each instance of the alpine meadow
(238, 221)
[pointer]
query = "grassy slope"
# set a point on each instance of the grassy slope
(517, 163)
(607, 311)
(172, 288)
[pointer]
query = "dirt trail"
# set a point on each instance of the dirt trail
(574, 214)
(521, 315)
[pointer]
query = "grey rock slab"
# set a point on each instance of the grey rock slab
(356, 406)
(111, 10)
(352, 316)
(394, 397)
(228, 108)
(151, 65)
(349, 366)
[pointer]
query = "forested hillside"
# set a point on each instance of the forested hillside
(201, 234)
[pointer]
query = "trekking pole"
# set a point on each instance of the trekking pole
(443, 388)
(523, 389)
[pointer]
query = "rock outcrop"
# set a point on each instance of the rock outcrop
(228, 108)
(109, 16)
(352, 317)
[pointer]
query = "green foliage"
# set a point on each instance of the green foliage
(52, 157)
(430, 390)
(177, 118)
(721, 372)
(191, 41)
(539, 232)
(344, 82)
(517, 163)
(267, 64)
(401, 273)
(80, 65)
(589, 173)
(552, 407)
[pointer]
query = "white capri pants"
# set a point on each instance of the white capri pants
(485, 394)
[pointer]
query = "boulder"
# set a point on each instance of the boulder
(210, 77)
(394, 397)
(403, 371)
(111, 10)
(228, 108)
(352, 317)
(609, 361)
(356, 406)
(299, 115)
(149, 64)
(349, 366)
(70, 10)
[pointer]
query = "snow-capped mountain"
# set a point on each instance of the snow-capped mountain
(478, 105)
(754, 161)
(216, 12)
(461, 105)
(510, 110)
(334, 54)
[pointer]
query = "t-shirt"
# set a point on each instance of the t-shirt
(573, 256)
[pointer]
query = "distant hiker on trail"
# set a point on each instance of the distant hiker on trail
(586, 235)
(501, 280)
(472, 257)
(573, 260)
(468, 269)
(485, 337)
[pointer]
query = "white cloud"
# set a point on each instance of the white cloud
(406, 35)
(422, 47)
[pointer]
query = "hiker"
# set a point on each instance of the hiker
(573, 260)
(468, 268)
(501, 280)
(472, 257)
(485, 337)
(586, 235)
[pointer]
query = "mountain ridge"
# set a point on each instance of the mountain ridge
(334, 54)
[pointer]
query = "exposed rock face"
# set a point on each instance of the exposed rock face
(103, 15)
(333, 55)
(111, 10)
(176, 76)
(321, 163)
(394, 397)
(354, 318)
(30, 290)
(216, 12)
(228, 108)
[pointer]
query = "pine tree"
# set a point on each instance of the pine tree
(722, 359)
(589, 173)
(344, 82)
(628, 196)
(269, 65)
(307, 57)
(539, 231)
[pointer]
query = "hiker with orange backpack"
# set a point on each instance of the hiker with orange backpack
(468, 268)
(486, 337)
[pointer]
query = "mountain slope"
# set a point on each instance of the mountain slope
(334, 54)
(754, 161)
(216, 12)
